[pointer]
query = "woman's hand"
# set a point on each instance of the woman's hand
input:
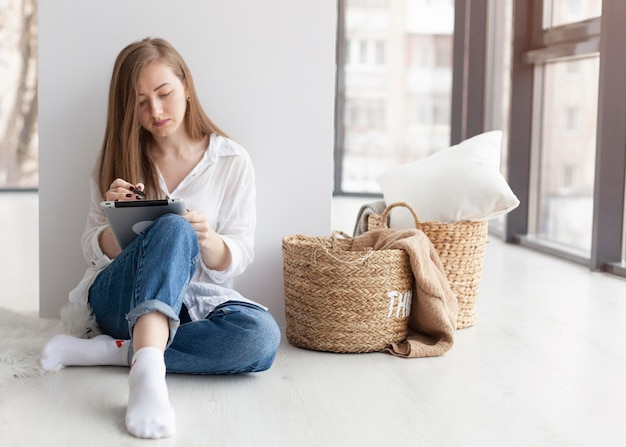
(120, 189)
(200, 224)
(214, 251)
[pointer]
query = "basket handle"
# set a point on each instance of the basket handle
(385, 215)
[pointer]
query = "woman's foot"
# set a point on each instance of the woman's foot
(149, 413)
(65, 350)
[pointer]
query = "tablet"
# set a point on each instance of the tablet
(129, 218)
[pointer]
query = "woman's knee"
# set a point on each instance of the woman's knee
(257, 334)
(172, 230)
(174, 226)
(266, 342)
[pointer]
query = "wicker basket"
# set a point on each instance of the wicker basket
(340, 300)
(461, 247)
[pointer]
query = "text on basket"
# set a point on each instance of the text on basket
(400, 302)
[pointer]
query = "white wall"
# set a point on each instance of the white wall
(265, 74)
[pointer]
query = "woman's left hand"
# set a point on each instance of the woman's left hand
(214, 251)
(200, 224)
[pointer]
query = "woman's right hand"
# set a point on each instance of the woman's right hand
(121, 190)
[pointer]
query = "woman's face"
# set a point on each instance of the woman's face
(162, 101)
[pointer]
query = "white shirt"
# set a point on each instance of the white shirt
(222, 187)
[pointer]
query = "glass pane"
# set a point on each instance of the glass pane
(561, 12)
(565, 205)
(398, 81)
(19, 165)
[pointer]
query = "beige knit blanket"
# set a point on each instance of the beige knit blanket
(434, 308)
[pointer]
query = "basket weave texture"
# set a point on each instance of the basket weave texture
(340, 300)
(461, 247)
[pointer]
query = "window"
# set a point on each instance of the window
(564, 130)
(572, 123)
(395, 74)
(442, 46)
(379, 58)
(564, 116)
(567, 154)
(19, 145)
(560, 12)
(565, 215)
(363, 114)
(549, 73)
(363, 52)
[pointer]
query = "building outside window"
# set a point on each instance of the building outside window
(562, 12)
(396, 73)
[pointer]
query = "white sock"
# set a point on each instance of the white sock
(149, 413)
(65, 350)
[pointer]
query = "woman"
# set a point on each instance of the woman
(166, 302)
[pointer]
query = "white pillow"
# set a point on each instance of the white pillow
(462, 182)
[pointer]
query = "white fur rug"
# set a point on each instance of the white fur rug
(23, 336)
(21, 339)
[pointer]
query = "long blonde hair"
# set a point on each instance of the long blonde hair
(124, 153)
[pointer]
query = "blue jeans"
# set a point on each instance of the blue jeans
(152, 274)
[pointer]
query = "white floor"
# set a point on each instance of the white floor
(545, 365)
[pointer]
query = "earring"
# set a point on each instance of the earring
(187, 98)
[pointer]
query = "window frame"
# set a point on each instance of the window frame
(609, 195)
(532, 46)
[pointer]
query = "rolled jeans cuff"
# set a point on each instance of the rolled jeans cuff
(150, 306)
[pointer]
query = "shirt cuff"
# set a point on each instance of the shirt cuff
(100, 260)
